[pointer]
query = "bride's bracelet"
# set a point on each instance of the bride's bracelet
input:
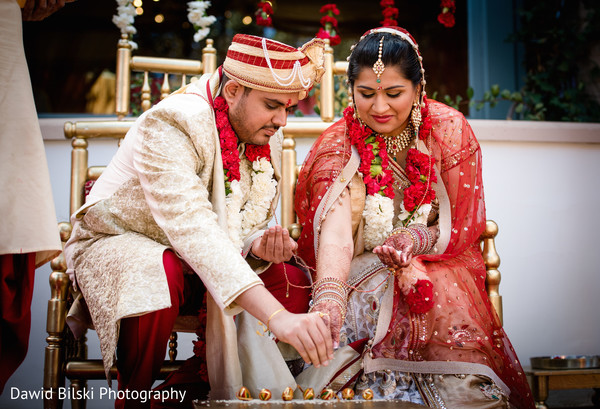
(421, 236)
(425, 237)
(416, 239)
(335, 299)
(330, 289)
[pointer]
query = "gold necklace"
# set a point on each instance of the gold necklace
(397, 143)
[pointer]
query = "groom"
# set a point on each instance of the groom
(191, 190)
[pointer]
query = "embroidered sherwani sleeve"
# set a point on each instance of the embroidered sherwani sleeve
(174, 163)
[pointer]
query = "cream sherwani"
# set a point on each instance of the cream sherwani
(165, 189)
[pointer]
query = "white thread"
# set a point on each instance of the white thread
(290, 79)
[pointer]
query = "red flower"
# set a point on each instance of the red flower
(420, 298)
(330, 8)
(335, 40)
(263, 14)
(329, 23)
(372, 185)
(449, 4)
(265, 6)
(261, 21)
(389, 22)
(446, 19)
(228, 142)
(328, 20)
(390, 12)
(254, 152)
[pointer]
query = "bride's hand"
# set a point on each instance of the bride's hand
(330, 312)
(396, 251)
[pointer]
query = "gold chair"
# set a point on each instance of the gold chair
(66, 357)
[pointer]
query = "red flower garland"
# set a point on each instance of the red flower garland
(374, 160)
(425, 128)
(330, 24)
(421, 175)
(446, 17)
(420, 298)
(228, 141)
(263, 14)
(389, 12)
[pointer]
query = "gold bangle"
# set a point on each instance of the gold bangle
(274, 314)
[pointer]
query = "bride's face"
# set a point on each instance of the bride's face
(384, 106)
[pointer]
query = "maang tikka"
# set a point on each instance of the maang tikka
(379, 67)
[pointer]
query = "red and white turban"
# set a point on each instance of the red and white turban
(271, 66)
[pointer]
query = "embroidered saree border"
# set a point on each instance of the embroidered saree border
(434, 367)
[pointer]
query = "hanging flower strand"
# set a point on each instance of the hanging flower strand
(446, 17)
(201, 22)
(330, 24)
(263, 14)
(124, 19)
(389, 12)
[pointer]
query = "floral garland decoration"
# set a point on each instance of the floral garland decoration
(242, 217)
(330, 24)
(390, 13)
(124, 20)
(263, 14)
(446, 17)
(201, 22)
(418, 196)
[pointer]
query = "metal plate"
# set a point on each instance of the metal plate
(565, 362)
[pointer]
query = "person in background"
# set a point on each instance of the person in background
(29, 232)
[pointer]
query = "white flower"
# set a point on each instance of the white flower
(124, 19)
(241, 218)
(262, 192)
(379, 215)
(233, 203)
(420, 215)
(198, 18)
(201, 34)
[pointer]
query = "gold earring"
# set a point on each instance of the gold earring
(415, 116)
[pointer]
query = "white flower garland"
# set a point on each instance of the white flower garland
(241, 218)
(126, 14)
(379, 216)
(197, 16)
(261, 195)
(124, 19)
